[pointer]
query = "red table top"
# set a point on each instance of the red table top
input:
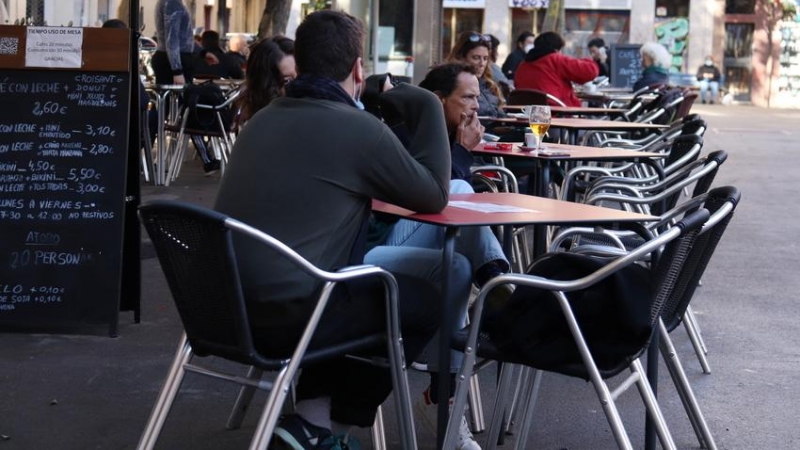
(573, 152)
(538, 210)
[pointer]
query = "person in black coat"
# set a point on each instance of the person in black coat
(708, 76)
(227, 67)
(597, 48)
(524, 45)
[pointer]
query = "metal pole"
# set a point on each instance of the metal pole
(222, 16)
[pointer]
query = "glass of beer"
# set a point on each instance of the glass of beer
(539, 120)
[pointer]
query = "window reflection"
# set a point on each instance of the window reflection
(739, 40)
(740, 6)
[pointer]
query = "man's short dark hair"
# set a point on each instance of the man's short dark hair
(328, 43)
(596, 42)
(209, 39)
(549, 40)
(114, 23)
(442, 79)
(524, 36)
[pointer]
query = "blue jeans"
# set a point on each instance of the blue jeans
(426, 264)
(705, 85)
(478, 244)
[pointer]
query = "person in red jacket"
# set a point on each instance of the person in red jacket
(546, 69)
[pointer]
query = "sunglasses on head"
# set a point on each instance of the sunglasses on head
(477, 37)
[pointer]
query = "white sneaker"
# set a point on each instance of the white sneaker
(465, 440)
(427, 412)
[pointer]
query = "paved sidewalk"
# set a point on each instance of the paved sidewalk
(92, 392)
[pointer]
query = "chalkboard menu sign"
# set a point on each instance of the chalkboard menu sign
(626, 64)
(63, 160)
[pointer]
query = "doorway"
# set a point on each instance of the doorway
(738, 60)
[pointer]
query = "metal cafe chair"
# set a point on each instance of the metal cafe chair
(195, 249)
(532, 97)
(721, 203)
(588, 355)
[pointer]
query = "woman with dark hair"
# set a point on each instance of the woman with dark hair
(546, 69)
(270, 67)
(474, 49)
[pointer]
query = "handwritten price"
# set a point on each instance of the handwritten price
(99, 130)
(40, 109)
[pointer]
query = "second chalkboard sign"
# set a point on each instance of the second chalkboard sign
(626, 64)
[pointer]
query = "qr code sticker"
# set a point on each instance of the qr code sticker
(8, 45)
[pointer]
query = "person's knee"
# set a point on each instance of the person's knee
(460, 187)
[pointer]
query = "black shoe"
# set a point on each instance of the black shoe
(704, 102)
(711, 102)
(211, 167)
(295, 433)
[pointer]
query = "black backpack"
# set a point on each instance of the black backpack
(206, 93)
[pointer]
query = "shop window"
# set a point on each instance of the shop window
(525, 20)
(672, 8)
(582, 25)
(395, 16)
(740, 6)
(34, 9)
(739, 40)
(455, 21)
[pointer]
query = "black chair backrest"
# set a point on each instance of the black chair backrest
(702, 184)
(195, 250)
(699, 256)
(527, 97)
(680, 147)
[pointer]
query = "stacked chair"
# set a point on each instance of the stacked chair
(658, 189)
(583, 361)
(214, 130)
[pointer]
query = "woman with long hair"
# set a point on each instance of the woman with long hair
(475, 49)
(270, 67)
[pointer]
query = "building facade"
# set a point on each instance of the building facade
(756, 43)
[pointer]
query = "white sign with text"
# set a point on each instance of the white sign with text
(60, 47)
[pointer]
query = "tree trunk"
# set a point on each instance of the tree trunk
(123, 11)
(275, 18)
(554, 18)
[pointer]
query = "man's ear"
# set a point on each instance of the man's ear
(358, 70)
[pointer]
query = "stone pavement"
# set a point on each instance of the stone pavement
(76, 392)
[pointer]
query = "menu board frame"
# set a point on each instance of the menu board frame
(623, 73)
(67, 220)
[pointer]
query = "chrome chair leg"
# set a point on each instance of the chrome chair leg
(530, 395)
(696, 337)
(475, 405)
(167, 395)
(651, 403)
(684, 389)
(503, 386)
(243, 400)
(378, 432)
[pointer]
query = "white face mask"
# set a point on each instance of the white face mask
(709, 62)
(357, 98)
(528, 48)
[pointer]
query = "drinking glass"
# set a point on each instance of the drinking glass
(539, 120)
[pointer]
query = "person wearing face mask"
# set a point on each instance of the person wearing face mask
(330, 160)
(548, 70)
(474, 49)
(708, 76)
(524, 45)
(599, 53)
